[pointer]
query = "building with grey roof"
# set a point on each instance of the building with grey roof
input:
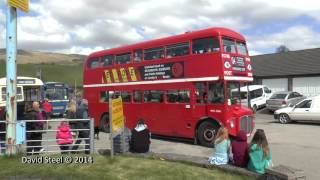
(289, 71)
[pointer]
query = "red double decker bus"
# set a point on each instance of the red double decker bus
(184, 86)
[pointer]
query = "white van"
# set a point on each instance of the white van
(258, 96)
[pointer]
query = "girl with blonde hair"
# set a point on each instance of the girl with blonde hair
(222, 148)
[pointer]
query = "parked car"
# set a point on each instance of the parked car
(282, 99)
(258, 96)
(306, 110)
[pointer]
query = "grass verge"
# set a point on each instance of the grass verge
(118, 168)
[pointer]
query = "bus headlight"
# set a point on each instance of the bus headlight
(227, 65)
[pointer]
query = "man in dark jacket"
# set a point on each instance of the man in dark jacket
(240, 150)
(34, 114)
(140, 138)
(82, 113)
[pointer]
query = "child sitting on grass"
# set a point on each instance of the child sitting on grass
(222, 148)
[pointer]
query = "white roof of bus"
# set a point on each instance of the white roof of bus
(38, 82)
(251, 88)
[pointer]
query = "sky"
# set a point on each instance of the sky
(85, 26)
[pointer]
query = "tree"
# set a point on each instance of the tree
(282, 48)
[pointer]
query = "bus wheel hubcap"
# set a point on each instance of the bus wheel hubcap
(209, 134)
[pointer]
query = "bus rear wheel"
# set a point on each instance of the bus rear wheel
(104, 124)
(206, 133)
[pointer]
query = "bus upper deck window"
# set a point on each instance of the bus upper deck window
(137, 55)
(154, 53)
(94, 63)
(107, 60)
(205, 45)
(181, 49)
(241, 47)
(123, 58)
(228, 45)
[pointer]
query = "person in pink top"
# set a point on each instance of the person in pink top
(64, 137)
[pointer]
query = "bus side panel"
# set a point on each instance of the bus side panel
(95, 107)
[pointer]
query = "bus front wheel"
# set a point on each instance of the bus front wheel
(104, 123)
(206, 133)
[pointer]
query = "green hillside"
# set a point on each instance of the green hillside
(68, 73)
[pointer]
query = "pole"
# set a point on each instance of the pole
(11, 81)
(110, 124)
(91, 135)
(248, 96)
(75, 89)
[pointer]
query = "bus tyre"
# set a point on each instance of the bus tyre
(104, 124)
(254, 108)
(284, 118)
(206, 133)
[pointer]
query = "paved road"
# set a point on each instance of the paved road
(295, 145)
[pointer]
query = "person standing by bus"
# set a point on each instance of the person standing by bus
(71, 114)
(34, 113)
(47, 108)
(82, 113)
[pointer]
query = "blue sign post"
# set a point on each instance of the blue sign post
(11, 83)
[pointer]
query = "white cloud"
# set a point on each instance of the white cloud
(296, 37)
(82, 50)
(254, 53)
(85, 25)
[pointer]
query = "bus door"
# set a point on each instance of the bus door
(153, 111)
(216, 100)
(179, 112)
(200, 100)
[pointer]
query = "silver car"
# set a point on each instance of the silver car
(306, 110)
(282, 99)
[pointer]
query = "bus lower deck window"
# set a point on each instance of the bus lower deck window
(200, 92)
(137, 96)
(126, 96)
(216, 93)
(153, 96)
(178, 96)
(104, 96)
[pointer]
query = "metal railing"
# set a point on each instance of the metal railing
(44, 140)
